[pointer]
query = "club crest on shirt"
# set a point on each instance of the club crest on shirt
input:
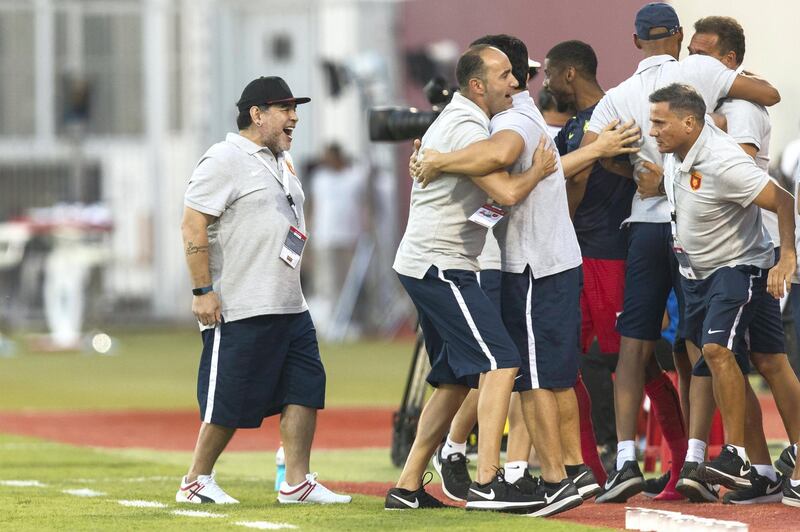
(695, 180)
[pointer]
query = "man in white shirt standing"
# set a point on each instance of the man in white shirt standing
(727, 262)
(651, 270)
(723, 39)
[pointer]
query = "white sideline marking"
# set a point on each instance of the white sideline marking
(142, 504)
(22, 483)
(196, 513)
(83, 492)
(264, 525)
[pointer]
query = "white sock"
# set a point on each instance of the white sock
(515, 470)
(626, 452)
(451, 447)
(696, 451)
(766, 471)
(795, 449)
(794, 483)
(741, 452)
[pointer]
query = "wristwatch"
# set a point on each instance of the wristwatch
(202, 290)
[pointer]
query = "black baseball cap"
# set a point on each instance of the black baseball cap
(267, 90)
(656, 15)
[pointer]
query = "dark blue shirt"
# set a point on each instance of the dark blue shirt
(606, 203)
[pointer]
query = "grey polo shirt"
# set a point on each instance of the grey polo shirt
(538, 231)
(439, 232)
(629, 101)
(253, 218)
(713, 190)
(748, 123)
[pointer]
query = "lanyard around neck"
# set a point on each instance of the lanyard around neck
(283, 179)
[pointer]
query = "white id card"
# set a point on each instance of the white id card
(293, 247)
(488, 215)
(684, 266)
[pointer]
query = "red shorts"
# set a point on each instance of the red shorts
(601, 303)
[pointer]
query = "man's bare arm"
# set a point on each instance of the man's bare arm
(754, 89)
(194, 229)
(478, 159)
(612, 141)
(776, 199)
(510, 189)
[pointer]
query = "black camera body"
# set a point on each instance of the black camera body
(392, 123)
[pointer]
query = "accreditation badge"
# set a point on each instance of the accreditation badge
(684, 265)
(488, 215)
(293, 246)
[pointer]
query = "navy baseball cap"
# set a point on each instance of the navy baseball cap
(656, 15)
(265, 91)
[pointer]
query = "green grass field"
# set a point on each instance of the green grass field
(157, 371)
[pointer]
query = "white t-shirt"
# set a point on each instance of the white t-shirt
(629, 101)
(538, 231)
(713, 190)
(439, 232)
(337, 197)
(748, 123)
(253, 219)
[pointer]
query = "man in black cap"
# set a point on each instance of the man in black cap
(244, 232)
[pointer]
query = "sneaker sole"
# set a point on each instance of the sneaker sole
(589, 491)
(559, 506)
(715, 476)
(623, 491)
(501, 506)
(775, 497)
(437, 465)
(695, 491)
(791, 502)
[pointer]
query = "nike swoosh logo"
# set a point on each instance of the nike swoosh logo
(715, 331)
(577, 478)
(744, 472)
(550, 499)
(414, 505)
(610, 482)
(773, 489)
(488, 496)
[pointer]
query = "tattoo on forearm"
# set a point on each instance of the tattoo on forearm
(191, 249)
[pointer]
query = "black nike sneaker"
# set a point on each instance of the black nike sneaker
(728, 470)
(654, 486)
(622, 484)
(761, 490)
(791, 495)
(500, 496)
(693, 488)
(786, 461)
(557, 498)
(454, 474)
(401, 499)
(527, 482)
(586, 482)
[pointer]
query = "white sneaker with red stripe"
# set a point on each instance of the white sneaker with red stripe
(310, 492)
(203, 490)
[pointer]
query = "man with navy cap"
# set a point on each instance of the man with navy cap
(244, 233)
(651, 270)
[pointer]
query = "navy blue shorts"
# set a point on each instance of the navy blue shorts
(543, 318)
(732, 308)
(251, 368)
(651, 272)
(490, 284)
(463, 331)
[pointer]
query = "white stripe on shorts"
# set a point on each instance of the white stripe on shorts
(467, 316)
(212, 374)
(739, 314)
(531, 339)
